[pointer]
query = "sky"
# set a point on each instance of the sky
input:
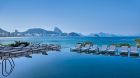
(82, 16)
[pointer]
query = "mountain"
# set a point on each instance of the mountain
(38, 32)
(4, 33)
(80, 34)
(73, 34)
(35, 30)
(42, 32)
(101, 34)
(57, 30)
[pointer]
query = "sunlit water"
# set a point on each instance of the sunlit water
(66, 64)
(70, 41)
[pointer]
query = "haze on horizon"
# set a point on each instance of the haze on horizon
(83, 16)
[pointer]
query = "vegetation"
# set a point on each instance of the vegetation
(73, 34)
(122, 44)
(86, 43)
(138, 46)
(18, 43)
(138, 42)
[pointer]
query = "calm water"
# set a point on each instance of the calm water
(66, 64)
(70, 41)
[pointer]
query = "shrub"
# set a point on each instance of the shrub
(122, 44)
(138, 46)
(18, 43)
(85, 43)
(138, 40)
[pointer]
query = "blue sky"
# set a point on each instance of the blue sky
(84, 16)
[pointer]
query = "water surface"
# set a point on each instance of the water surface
(66, 64)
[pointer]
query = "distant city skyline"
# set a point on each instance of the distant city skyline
(82, 16)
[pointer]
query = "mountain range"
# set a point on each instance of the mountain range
(36, 32)
(56, 32)
(101, 34)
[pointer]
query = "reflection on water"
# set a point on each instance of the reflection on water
(7, 66)
(66, 64)
(107, 54)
